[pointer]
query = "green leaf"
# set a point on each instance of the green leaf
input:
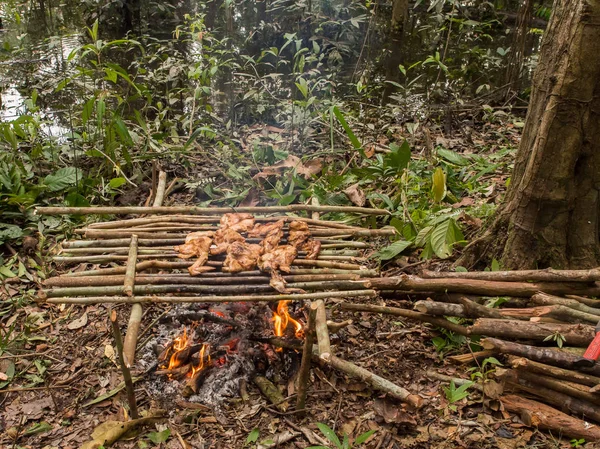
(253, 436)
(6, 272)
(329, 434)
(363, 437)
(115, 183)
(110, 394)
(444, 236)
(100, 110)
(495, 265)
(391, 251)
(159, 437)
(123, 131)
(453, 157)
(10, 373)
(75, 199)
(355, 142)
(38, 428)
(63, 178)
(399, 157)
(87, 110)
(439, 185)
(460, 269)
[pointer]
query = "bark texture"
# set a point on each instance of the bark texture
(550, 215)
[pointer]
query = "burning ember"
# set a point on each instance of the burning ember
(282, 319)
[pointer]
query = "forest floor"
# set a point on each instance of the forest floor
(56, 359)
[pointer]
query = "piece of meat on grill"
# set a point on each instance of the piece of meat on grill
(299, 233)
(198, 267)
(280, 258)
(197, 244)
(312, 248)
(223, 238)
(278, 283)
(271, 240)
(237, 222)
(241, 256)
(263, 229)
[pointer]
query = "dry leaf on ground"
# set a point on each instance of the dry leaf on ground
(307, 169)
(356, 195)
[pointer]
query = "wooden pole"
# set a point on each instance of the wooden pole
(194, 210)
(377, 382)
(544, 299)
(135, 318)
(304, 373)
(216, 299)
(481, 287)
(524, 364)
(124, 368)
(323, 342)
(574, 334)
(536, 414)
(441, 322)
(547, 275)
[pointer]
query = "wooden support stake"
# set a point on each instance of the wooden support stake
(304, 373)
(135, 318)
(129, 280)
(124, 368)
(322, 332)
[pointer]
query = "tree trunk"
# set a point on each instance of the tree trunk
(550, 214)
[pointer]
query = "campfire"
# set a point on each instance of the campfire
(203, 344)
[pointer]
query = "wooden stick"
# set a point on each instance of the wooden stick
(194, 210)
(129, 281)
(544, 299)
(547, 356)
(271, 392)
(304, 373)
(440, 309)
(547, 275)
(377, 382)
(186, 279)
(572, 389)
(333, 327)
(191, 289)
(126, 233)
(475, 310)
(554, 397)
(470, 357)
(479, 287)
(558, 312)
(160, 190)
(323, 342)
(441, 322)
(214, 219)
(524, 364)
(135, 318)
(124, 368)
(536, 414)
(587, 301)
(458, 381)
(574, 334)
(190, 299)
(164, 265)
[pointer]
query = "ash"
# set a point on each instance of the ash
(207, 323)
(225, 382)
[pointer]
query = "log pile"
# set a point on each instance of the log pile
(539, 334)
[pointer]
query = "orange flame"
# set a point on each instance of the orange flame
(282, 318)
(201, 363)
(179, 344)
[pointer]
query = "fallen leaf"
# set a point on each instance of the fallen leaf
(110, 431)
(391, 413)
(35, 409)
(78, 323)
(307, 170)
(356, 195)
(466, 201)
(492, 389)
(109, 352)
(251, 199)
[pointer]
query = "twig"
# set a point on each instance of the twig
(124, 368)
(304, 373)
(322, 333)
